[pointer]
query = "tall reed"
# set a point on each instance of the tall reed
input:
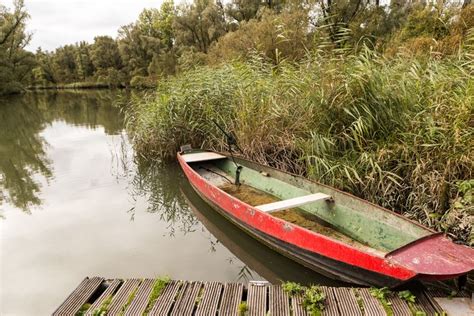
(397, 132)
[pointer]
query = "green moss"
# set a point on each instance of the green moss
(158, 287)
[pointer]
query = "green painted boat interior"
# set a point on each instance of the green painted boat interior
(346, 218)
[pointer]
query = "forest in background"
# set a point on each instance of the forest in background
(174, 38)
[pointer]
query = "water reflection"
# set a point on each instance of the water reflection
(23, 160)
(160, 183)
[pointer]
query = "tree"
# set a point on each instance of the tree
(15, 62)
(105, 53)
(200, 24)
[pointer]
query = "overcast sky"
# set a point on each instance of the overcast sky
(59, 22)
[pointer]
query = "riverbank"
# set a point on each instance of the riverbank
(397, 132)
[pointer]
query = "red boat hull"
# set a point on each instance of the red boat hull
(318, 252)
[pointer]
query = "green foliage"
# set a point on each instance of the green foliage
(313, 297)
(243, 308)
(292, 288)
(382, 295)
(313, 300)
(158, 287)
(16, 63)
(407, 296)
(360, 122)
(104, 307)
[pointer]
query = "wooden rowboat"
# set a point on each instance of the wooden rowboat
(329, 231)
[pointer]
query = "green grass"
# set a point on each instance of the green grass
(397, 132)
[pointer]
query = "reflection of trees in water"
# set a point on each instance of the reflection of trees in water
(159, 183)
(22, 152)
(22, 148)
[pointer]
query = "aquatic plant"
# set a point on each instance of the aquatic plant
(397, 132)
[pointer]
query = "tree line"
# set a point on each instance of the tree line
(175, 38)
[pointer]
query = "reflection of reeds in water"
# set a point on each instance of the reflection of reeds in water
(157, 183)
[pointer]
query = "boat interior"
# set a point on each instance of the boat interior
(312, 206)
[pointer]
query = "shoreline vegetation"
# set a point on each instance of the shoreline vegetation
(376, 100)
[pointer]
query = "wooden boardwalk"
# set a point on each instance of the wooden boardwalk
(134, 297)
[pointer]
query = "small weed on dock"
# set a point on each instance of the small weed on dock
(158, 287)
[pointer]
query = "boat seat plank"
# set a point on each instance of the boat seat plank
(372, 306)
(231, 298)
(209, 302)
(279, 302)
(347, 302)
(185, 304)
(108, 293)
(205, 156)
(79, 296)
(140, 301)
(166, 299)
(257, 299)
(294, 202)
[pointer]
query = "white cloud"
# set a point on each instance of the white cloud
(59, 22)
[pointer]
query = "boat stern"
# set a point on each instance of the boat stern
(434, 258)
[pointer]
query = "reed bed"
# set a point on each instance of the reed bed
(397, 132)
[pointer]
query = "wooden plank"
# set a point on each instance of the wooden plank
(257, 299)
(430, 307)
(79, 296)
(210, 298)
(294, 202)
(187, 300)
(330, 308)
(108, 293)
(202, 157)
(122, 296)
(231, 298)
(372, 307)
(165, 301)
(346, 301)
(399, 306)
(278, 301)
(140, 301)
(297, 306)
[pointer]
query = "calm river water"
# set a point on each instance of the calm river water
(74, 203)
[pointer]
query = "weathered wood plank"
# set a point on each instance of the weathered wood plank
(346, 301)
(372, 307)
(140, 301)
(330, 308)
(424, 304)
(294, 202)
(79, 296)
(297, 305)
(209, 301)
(399, 306)
(108, 293)
(187, 300)
(122, 296)
(167, 298)
(257, 299)
(278, 301)
(231, 298)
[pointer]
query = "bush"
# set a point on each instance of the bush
(141, 82)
